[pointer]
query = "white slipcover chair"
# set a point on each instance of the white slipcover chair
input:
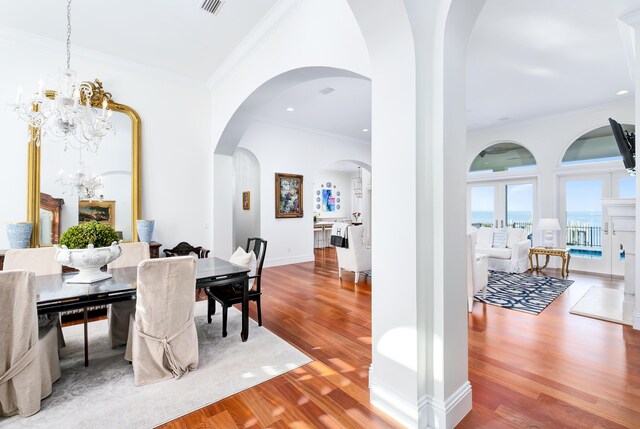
(357, 257)
(42, 262)
(163, 342)
(477, 271)
(28, 355)
(118, 313)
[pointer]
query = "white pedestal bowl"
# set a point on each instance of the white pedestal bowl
(88, 261)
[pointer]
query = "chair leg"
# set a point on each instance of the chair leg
(470, 303)
(209, 309)
(357, 277)
(339, 272)
(259, 312)
(213, 306)
(224, 320)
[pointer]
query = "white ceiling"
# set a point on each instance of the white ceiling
(529, 59)
(346, 111)
(526, 58)
(177, 35)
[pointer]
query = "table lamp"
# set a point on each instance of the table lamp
(549, 225)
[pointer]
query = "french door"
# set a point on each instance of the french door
(586, 225)
(502, 203)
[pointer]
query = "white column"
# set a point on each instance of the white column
(633, 21)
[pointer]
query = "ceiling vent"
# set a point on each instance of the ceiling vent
(327, 90)
(212, 6)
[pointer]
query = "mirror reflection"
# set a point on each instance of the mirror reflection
(78, 185)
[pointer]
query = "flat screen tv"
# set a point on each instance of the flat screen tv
(626, 145)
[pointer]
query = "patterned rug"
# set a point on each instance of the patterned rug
(521, 292)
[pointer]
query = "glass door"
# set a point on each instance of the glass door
(584, 228)
(502, 203)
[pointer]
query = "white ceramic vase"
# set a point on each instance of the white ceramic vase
(88, 261)
(19, 234)
(145, 230)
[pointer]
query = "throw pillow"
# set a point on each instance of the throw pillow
(500, 238)
(484, 238)
(246, 260)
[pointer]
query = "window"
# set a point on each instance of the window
(503, 157)
(595, 146)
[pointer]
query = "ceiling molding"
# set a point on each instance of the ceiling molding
(308, 130)
(12, 34)
(278, 14)
(562, 115)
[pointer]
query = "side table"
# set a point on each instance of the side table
(565, 254)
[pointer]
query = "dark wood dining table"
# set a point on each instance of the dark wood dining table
(54, 294)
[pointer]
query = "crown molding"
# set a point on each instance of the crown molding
(12, 35)
(276, 16)
(293, 126)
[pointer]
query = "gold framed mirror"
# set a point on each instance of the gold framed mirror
(112, 160)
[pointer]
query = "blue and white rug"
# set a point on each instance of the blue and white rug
(522, 292)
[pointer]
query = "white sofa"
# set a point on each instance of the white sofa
(511, 259)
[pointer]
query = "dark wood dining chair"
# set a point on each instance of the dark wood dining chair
(185, 249)
(229, 295)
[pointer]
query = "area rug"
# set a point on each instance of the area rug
(605, 304)
(104, 396)
(529, 294)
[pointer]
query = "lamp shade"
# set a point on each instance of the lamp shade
(549, 224)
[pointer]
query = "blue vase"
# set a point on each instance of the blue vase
(19, 234)
(145, 230)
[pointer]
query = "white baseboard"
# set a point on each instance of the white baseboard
(636, 320)
(276, 262)
(449, 413)
(427, 412)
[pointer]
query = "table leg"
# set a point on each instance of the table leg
(531, 261)
(568, 260)
(86, 337)
(537, 262)
(546, 261)
(564, 264)
(245, 310)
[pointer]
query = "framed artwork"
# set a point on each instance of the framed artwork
(101, 211)
(328, 200)
(288, 195)
(246, 200)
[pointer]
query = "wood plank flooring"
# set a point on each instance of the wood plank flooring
(554, 370)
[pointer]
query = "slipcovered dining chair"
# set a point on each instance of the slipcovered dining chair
(229, 295)
(163, 342)
(29, 354)
(42, 262)
(356, 257)
(118, 313)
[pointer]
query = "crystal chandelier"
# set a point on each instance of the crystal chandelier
(81, 183)
(67, 113)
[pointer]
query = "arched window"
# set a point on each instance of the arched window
(503, 157)
(595, 146)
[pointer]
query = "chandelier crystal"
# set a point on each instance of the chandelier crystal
(67, 113)
(81, 183)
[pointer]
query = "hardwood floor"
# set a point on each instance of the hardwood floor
(554, 370)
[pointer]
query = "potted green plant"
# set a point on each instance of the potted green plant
(88, 247)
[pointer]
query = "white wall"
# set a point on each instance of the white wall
(176, 165)
(288, 150)
(340, 182)
(246, 223)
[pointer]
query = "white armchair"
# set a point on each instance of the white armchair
(477, 270)
(514, 258)
(356, 257)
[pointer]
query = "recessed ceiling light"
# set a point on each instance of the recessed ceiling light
(289, 109)
(365, 130)
(623, 92)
